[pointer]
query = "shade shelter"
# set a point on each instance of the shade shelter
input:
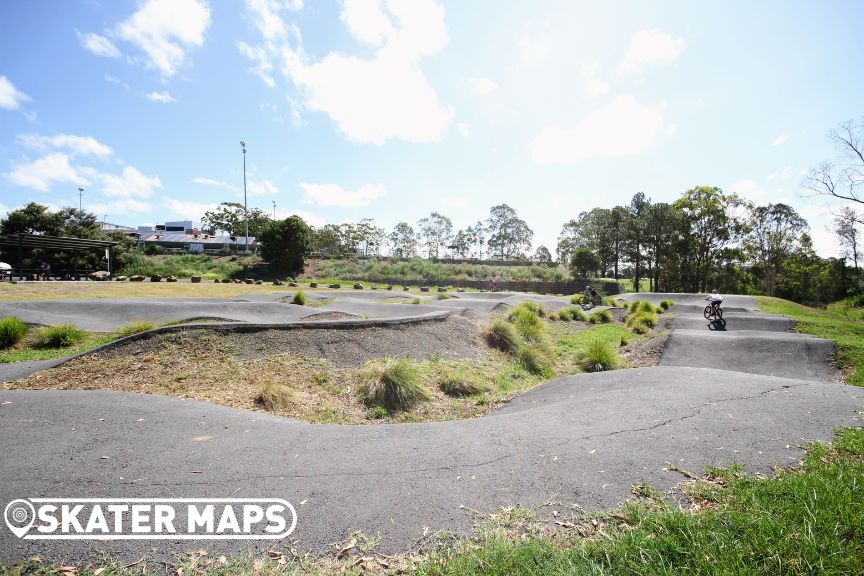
(35, 241)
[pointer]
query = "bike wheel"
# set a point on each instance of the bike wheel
(707, 312)
(719, 313)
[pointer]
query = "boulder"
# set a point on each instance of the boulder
(136, 278)
(389, 286)
(442, 289)
(171, 279)
(374, 287)
(278, 282)
(335, 286)
(196, 279)
(293, 284)
(405, 288)
(313, 284)
(121, 279)
(259, 282)
(216, 281)
(249, 281)
(358, 286)
(424, 288)
(155, 278)
(99, 275)
(460, 290)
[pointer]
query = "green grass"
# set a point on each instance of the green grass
(459, 380)
(526, 321)
(808, 520)
(188, 265)
(841, 322)
(502, 336)
(299, 298)
(576, 345)
(599, 356)
(60, 336)
(274, 397)
(12, 331)
(536, 358)
(134, 327)
(600, 317)
(666, 304)
(392, 384)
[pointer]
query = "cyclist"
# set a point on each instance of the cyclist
(592, 297)
(716, 299)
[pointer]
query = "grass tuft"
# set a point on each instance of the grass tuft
(134, 327)
(299, 298)
(12, 331)
(274, 397)
(459, 383)
(601, 317)
(536, 358)
(501, 336)
(62, 336)
(392, 384)
(666, 304)
(599, 356)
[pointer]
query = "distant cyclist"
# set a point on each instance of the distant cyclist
(716, 299)
(592, 297)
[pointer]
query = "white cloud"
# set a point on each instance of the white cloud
(594, 86)
(369, 100)
(98, 45)
(74, 145)
(41, 174)
(649, 46)
(463, 129)
(455, 202)
(114, 80)
(308, 217)
(165, 29)
(624, 127)
(187, 209)
(743, 187)
(120, 206)
(780, 140)
(211, 182)
(482, 85)
(533, 43)
(784, 174)
(261, 188)
(10, 97)
(163, 97)
(335, 195)
(130, 183)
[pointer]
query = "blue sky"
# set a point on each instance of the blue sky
(392, 109)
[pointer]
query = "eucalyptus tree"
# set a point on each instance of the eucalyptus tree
(434, 232)
(403, 241)
(509, 236)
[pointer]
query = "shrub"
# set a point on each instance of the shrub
(572, 313)
(392, 384)
(647, 318)
(644, 306)
(624, 341)
(458, 384)
(501, 336)
(535, 357)
(443, 296)
(273, 396)
(415, 301)
(601, 317)
(61, 336)
(376, 413)
(532, 307)
(134, 327)
(598, 356)
(299, 298)
(610, 301)
(12, 331)
(576, 299)
(666, 304)
(526, 322)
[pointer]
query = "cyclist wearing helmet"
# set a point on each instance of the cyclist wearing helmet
(592, 296)
(716, 299)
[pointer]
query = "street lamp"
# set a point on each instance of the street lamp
(245, 209)
(274, 209)
(80, 195)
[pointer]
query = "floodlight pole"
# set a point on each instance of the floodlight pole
(245, 209)
(80, 195)
(274, 209)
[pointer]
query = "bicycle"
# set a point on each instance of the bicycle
(711, 312)
(589, 300)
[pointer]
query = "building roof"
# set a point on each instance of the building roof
(53, 242)
(183, 238)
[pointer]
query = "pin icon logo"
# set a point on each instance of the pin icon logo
(19, 515)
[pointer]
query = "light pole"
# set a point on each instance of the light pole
(245, 209)
(274, 209)
(80, 195)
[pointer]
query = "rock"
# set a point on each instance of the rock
(121, 279)
(249, 281)
(293, 284)
(313, 284)
(389, 286)
(374, 287)
(136, 278)
(278, 282)
(171, 279)
(216, 281)
(335, 286)
(99, 275)
(460, 290)
(196, 279)
(259, 282)
(237, 281)
(424, 288)
(358, 286)
(405, 288)
(442, 289)
(155, 278)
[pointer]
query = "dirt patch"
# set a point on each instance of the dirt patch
(328, 316)
(645, 353)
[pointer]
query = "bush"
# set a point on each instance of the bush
(12, 331)
(576, 299)
(501, 336)
(526, 321)
(610, 301)
(572, 313)
(644, 306)
(443, 296)
(274, 397)
(666, 304)
(647, 318)
(598, 356)
(536, 358)
(415, 301)
(61, 336)
(134, 327)
(532, 307)
(299, 298)
(376, 413)
(601, 317)
(392, 384)
(458, 384)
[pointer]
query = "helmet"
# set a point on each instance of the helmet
(588, 287)
(714, 291)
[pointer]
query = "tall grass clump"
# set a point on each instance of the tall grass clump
(527, 322)
(610, 301)
(299, 298)
(134, 327)
(274, 397)
(572, 313)
(12, 331)
(600, 317)
(598, 356)
(666, 304)
(392, 384)
(641, 322)
(502, 336)
(536, 358)
(61, 336)
(459, 382)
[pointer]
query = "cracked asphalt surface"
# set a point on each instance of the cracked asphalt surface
(583, 439)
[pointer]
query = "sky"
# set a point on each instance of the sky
(393, 109)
